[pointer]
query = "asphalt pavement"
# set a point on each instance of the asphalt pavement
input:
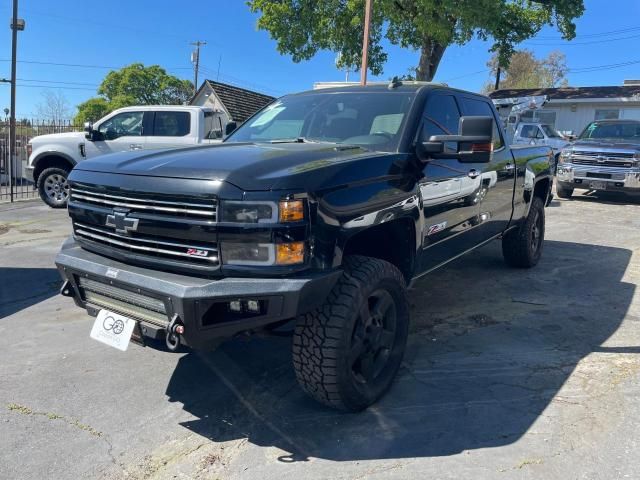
(509, 374)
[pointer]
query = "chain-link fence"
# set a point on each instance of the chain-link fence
(14, 181)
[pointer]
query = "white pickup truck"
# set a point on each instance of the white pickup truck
(51, 157)
(539, 134)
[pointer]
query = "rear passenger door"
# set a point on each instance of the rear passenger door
(497, 177)
(171, 129)
(448, 188)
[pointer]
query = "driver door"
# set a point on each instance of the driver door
(122, 132)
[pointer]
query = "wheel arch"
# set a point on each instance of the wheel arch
(51, 159)
(393, 241)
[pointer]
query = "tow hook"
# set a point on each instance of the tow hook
(174, 330)
(67, 290)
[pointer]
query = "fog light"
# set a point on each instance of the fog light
(235, 306)
(253, 306)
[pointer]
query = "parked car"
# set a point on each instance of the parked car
(606, 156)
(322, 209)
(51, 157)
(540, 134)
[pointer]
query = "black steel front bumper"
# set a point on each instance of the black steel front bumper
(201, 304)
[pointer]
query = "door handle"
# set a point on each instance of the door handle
(135, 146)
(509, 166)
(473, 173)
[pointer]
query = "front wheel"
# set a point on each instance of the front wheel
(347, 352)
(53, 187)
(564, 192)
(522, 247)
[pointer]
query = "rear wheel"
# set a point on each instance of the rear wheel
(53, 187)
(564, 192)
(347, 352)
(522, 247)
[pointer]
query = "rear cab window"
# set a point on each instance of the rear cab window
(171, 124)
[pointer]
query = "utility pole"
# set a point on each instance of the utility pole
(195, 59)
(498, 71)
(16, 24)
(365, 42)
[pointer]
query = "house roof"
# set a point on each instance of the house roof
(569, 93)
(239, 102)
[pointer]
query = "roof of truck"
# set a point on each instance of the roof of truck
(146, 108)
(397, 86)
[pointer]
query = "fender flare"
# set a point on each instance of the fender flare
(50, 153)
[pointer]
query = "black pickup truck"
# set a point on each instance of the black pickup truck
(321, 209)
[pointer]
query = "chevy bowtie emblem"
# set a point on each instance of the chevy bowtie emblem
(122, 223)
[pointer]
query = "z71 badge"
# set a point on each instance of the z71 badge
(197, 253)
(438, 227)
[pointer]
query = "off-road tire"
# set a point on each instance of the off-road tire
(53, 187)
(522, 247)
(323, 348)
(564, 192)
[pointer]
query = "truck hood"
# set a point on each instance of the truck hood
(607, 145)
(69, 137)
(246, 165)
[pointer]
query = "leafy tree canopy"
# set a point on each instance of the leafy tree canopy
(303, 27)
(134, 84)
(526, 71)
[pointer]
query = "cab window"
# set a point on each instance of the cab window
(171, 124)
(126, 124)
(473, 107)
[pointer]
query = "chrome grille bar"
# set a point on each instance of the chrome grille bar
(144, 204)
(92, 233)
(609, 155)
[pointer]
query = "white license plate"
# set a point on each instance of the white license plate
(113, 329)
(598, 185)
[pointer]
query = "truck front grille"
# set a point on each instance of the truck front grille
(604, 159)
(203, 254)
(130, 304)
(180, 207)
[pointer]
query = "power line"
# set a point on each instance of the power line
(83, 65)
(54, 86)
(593, 35)
(57, 81)
(570, 43)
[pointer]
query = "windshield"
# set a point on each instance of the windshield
(370, 119)
(628, 131)
(550, 131)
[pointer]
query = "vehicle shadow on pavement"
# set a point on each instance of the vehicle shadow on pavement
(21, 288)
(609, 198)
(490, 349)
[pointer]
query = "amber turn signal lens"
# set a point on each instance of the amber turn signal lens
(292, 211)
(289, 253)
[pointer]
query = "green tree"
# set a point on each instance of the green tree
(92, 110)
(526, 71)
(134, 84)
(303, 27)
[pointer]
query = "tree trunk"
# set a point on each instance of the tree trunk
(430, 57)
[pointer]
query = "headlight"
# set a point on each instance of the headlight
(262, 212)
(262, 254)
(249, 212)
(565, 156)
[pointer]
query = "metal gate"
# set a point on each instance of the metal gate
(14, 182)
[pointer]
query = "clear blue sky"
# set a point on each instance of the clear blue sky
(118, 32)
